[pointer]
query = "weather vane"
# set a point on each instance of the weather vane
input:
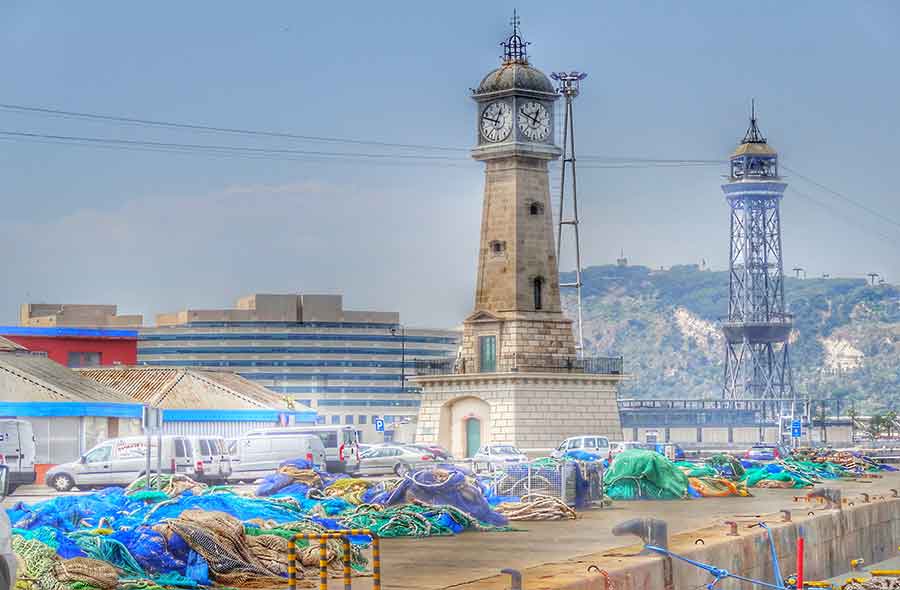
(514, 47)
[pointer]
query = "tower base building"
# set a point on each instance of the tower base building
(517, 379)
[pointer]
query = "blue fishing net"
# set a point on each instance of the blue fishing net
(430, 486)
(273, 483)
(151, 550)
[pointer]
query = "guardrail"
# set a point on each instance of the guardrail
(524, 363)
(344, 536)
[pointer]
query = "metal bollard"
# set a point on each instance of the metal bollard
(732, 528)
(832, 497)
(515, 578)
(865, 497)
(785, 516)
(651, 531)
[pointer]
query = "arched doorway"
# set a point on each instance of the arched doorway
(465, 425)
(473, 436)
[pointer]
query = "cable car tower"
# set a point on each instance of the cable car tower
(758, 328)
(569, 86)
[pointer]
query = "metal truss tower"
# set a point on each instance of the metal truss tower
(569, 86)
(757, 329)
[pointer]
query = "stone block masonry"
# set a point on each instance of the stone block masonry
(531, 410)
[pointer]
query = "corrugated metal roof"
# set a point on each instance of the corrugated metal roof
(7, 345)
(178, 388)
(51, 382)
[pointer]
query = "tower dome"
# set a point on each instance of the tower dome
(515, 73)
(754, 157)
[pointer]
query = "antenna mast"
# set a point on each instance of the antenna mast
(569, 86)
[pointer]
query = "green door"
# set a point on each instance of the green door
(487, 357)
(473, 436)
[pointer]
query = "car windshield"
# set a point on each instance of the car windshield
(505, 450)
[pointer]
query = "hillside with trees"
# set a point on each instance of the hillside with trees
(845, 344)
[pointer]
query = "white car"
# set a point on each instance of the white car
(496, 456)
(7, 557)
(597, 445)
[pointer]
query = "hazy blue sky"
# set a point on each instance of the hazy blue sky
(163, 231)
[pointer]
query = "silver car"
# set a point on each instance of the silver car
(496, 456)
(395, 459)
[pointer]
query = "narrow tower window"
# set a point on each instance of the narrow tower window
(536, 209)
(498, 247)
(538, 295)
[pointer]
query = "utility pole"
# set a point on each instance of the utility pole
(569, 86)
(798, 270)
(872, 276)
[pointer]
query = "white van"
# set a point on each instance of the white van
(8, 562)
(212, 463)
(341, 444)
(258, 455)
(17, 452)
(120, 461)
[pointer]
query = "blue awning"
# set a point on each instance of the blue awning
(68, 409)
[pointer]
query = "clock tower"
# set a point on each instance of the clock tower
(517, 303)
(517, 379)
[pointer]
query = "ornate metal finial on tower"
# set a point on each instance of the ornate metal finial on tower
(753, 135)
(758, 327)
(514, 48)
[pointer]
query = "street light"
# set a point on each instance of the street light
(402, 333)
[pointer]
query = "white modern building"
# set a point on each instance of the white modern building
(349, 366)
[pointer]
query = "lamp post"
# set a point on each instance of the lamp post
(401, 331)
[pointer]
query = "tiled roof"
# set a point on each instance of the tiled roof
(49, 382)
(178, 388)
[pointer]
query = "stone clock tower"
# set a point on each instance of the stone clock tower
(517, 378)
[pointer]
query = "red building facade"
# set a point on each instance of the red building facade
(78, 347)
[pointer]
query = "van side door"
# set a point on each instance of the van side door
(95, 466)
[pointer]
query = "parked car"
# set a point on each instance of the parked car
(661, 449)
(395, 459)
(767, 452)
(618, 446)
(341, 444)
(17, 452)
(597, 445)
(8, 561)
(498, 455)
(258, 455)
(120, 461)
(439, 452)
(212, 462)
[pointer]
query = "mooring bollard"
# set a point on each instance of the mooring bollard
(832, 497)
(515, 578)
(651, 531)
(785, 516)
(732, 528)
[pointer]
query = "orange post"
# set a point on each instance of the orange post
(799, 563)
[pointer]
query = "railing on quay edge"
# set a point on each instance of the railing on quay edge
(525, 363)
(344, 536)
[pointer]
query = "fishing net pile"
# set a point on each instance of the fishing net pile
(640, 474)
(186, 535)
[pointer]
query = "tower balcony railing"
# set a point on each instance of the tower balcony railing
(524, 363)
(773, 318)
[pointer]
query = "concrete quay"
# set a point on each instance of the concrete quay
(556, 555)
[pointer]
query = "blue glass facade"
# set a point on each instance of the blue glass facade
(341, 369)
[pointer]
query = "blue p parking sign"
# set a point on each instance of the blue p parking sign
(796, 431)
(379, 425)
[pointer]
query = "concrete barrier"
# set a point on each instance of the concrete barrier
(870, 531)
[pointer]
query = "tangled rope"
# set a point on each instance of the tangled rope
(537, 507)
(170, 484)
(36, 562)
(90, 572)
(348, 489)
(307, 477)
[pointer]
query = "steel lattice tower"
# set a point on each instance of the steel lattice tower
(757, 329)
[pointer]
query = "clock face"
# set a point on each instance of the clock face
(534, 121)
(496, 121)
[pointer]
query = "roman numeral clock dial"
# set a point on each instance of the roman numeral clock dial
(496, 121)
(534, 121)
